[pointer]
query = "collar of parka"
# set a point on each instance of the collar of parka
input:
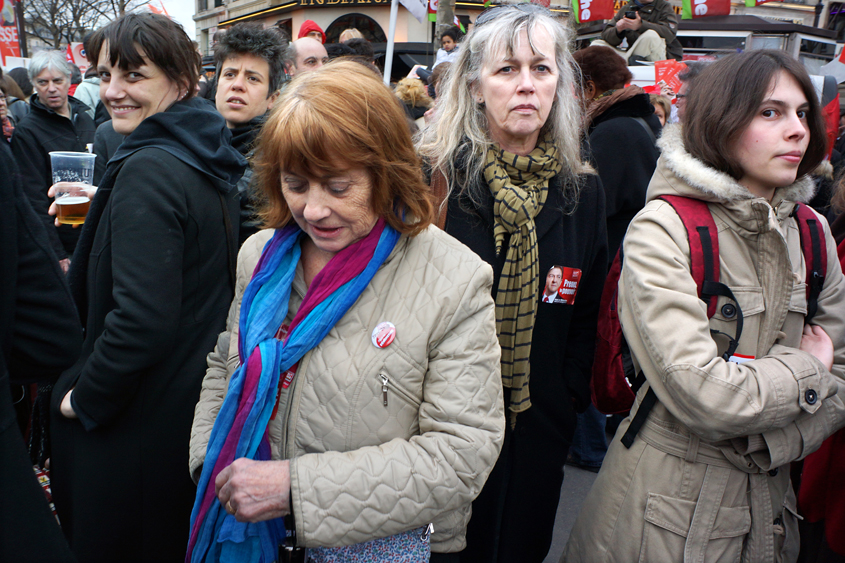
(713, 185)
(679, 173)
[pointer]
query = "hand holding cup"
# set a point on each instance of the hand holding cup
(72, 175)
(73, 200)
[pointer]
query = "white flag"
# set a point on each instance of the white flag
(418, 8)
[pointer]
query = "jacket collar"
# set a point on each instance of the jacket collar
(704, 182)
(75, 106)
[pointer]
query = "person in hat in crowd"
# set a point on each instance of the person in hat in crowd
(310, 29)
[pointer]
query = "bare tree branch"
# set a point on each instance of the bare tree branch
(60, 22)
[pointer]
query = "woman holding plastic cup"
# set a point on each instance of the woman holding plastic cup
(150, 279)
(72, 174)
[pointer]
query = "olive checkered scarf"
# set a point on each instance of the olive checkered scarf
(519, 185)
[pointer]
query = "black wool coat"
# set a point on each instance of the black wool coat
(156, 294)
(513, 518)
(40, 132)
(40, 336)
(625, 156)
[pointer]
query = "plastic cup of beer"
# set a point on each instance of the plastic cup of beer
(74, 198)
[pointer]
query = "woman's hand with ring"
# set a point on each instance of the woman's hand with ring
(253, 491)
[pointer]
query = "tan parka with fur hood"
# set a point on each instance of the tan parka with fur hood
(383, 440)
(707, 478)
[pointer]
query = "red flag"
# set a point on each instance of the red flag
(590, 10)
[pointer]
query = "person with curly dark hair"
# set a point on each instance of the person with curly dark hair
(250, 70)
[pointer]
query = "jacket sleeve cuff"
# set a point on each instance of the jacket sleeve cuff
(87, 422)
(296, 503)
(799, 439)
(811, 376)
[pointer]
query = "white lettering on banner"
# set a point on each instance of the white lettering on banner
(585, 10)
(8, 33)
(700, 7)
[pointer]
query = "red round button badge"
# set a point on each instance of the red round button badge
(384, 334)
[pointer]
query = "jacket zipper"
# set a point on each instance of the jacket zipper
(399, 390)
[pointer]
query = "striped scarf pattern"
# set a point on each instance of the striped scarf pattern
(240, 429)
(519, 185)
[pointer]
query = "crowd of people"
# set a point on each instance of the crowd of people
(310, 317)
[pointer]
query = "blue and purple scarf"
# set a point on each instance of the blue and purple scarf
(240, 429)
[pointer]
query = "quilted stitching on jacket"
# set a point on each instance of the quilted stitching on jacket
(360, 469)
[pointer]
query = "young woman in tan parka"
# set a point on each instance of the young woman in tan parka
(707, 477)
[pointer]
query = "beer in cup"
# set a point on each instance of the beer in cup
(73, 198)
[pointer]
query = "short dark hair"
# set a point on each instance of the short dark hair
(454, 32)
(362, 47)
(21, 78)
(75, 74)
(335, 50)
(603, 66)
(253, 39)
(694, 68)
(726, 97)
(11, 88)
(162, 40)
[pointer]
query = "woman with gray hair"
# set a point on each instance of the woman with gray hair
(506, 162)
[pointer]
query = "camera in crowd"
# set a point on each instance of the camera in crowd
(632, 13)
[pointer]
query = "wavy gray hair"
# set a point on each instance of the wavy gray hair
(461, 130)
(53, 60)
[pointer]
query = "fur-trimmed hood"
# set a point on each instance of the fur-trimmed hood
(678, 172)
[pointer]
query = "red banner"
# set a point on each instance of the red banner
(703, 8)
(9, 46)
(590, 10)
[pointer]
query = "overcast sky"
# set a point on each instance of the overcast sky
(182, 11)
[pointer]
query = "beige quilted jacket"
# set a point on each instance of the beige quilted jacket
(365, 462)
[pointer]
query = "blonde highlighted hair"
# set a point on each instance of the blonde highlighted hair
(413, 92)
(338, 117)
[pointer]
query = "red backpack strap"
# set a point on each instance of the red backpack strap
(704, 267)
(814, 248)
(703, 242)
